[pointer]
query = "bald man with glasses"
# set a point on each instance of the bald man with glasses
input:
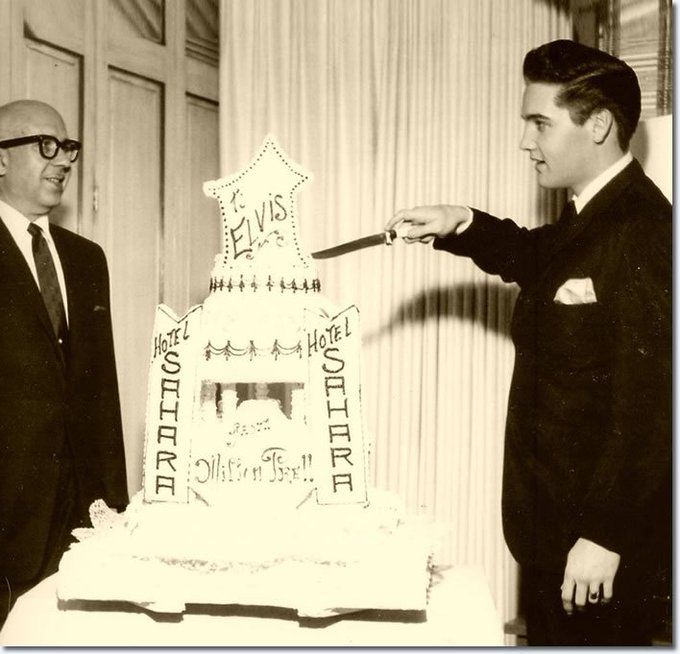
(61, 444)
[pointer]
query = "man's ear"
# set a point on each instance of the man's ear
(601, 125)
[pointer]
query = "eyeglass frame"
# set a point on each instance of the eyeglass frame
(70, 146)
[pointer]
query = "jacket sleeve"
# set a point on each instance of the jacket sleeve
(499, 246)
(629, 494)
(95, 419)
(112, 443)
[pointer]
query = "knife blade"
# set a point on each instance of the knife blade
(381, 238)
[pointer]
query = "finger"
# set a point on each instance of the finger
(568, 594)
(593, 593)
(580, 594)
(394, 220)
(419, 232)
(423, 239)
(403, 215)
(607, 590)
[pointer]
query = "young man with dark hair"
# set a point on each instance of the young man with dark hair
(587, 470)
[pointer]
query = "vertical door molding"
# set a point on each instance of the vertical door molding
(101, 225)
(88, 125)
(6, 50)
(175, 284)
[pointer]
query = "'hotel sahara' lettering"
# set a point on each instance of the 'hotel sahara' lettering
(166, 457)
(168, 416)
(163, 342)
(321, 339)
(332, 349)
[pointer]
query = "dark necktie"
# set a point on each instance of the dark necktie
(567, 224)
(48, 281)
(568, 215)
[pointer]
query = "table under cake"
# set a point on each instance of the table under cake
(460, 612)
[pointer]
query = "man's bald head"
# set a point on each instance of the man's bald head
(18, 118)
(30, 182)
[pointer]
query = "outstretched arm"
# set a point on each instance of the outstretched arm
(498, 247)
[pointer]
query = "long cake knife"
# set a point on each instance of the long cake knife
(381, 238)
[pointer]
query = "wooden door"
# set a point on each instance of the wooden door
(136, 81)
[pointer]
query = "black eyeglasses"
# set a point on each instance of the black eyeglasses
(49, 145)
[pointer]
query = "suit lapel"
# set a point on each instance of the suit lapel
(66, 261)
(78, 281)
(73, 281)
(18, 274)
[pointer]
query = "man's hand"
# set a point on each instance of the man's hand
(588, 575)
(428, 222)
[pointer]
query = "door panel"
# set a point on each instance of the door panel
(59, 22)
(204, 215)
(134, 218)
(138, 18)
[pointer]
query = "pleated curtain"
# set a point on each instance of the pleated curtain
(392, 104)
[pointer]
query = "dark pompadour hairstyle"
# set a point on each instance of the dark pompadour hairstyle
(590, 80)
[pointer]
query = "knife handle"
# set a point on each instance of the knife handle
(399, 231)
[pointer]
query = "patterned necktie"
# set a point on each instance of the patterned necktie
(49, 283)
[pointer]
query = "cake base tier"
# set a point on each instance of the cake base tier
(313, 589)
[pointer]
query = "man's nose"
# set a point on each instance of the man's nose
(62, 162)
(62, 159)
(527, 140)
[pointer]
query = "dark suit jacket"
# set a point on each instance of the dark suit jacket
(61, 443)
(588, 433)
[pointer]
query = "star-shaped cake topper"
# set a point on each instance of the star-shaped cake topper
(259, 211)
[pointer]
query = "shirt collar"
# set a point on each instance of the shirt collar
(17, 223)
(591, 189)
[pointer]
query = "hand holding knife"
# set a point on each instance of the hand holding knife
(420, 224)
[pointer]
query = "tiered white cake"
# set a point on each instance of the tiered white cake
(255, 467)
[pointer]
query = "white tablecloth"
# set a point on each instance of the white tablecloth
(461, 612)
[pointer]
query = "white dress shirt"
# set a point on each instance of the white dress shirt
(17, 224)
(588, 193)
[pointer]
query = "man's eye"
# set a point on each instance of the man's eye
(541, 127)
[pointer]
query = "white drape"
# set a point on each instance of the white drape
(390, 104)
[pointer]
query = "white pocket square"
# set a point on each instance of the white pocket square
(576, 291)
